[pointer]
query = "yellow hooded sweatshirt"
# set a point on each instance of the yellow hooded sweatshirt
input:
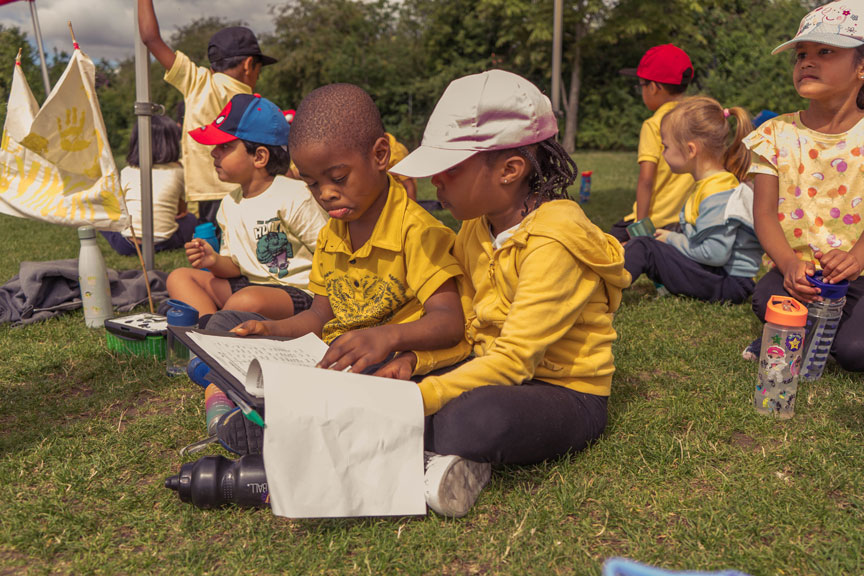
(540, 306)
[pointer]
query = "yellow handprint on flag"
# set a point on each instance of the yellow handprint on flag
(55, 163)
(71, 137)
(36, 143)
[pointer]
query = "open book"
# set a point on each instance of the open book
(229, 356)
(336, 444)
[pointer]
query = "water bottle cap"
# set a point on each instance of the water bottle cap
(785, 311)
(205, 230)
(85, 232)
(181, 314)
(829, 291)
(587, 173)
(197, 371)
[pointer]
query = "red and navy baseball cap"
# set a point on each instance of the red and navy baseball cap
(666, 64)
(246, 117)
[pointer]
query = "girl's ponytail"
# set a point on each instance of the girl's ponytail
(737, 157)
(704, 120)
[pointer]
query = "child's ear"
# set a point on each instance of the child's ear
(381, 153)
(514, 168)
(261, 157)
(692, 149)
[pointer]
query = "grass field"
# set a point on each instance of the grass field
(686, 476)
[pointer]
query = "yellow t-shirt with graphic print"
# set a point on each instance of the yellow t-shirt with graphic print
(820, 195)
(670, 189)
(387, 279)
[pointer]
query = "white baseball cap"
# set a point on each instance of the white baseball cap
(493, 110)
(835, 24)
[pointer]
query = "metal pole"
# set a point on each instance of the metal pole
(38, 33)
(557, 32)
(143, 110)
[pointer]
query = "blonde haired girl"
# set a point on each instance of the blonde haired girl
(716, 255)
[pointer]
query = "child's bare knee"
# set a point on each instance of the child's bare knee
(244, 300)
(179, 278)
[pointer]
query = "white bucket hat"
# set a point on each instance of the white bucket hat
(494, 110)
(835, 24)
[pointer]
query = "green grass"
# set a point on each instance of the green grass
(686, 476)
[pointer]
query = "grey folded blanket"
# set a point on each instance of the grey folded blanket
(44, 289)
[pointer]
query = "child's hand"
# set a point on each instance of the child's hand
(358, 349)
(400, 368)
(200, 253)
(795, 282)
(661, 235)
(838, 265)
(252, 328)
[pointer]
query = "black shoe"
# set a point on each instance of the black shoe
(239, 435)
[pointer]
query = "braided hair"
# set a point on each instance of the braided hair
(552, 171)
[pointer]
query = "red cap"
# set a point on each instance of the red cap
(666, 64)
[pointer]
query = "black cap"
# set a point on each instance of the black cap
(235, 41)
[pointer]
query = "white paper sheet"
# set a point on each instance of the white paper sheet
(235, 354)
(339, 444)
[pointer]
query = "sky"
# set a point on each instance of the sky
(105, 28)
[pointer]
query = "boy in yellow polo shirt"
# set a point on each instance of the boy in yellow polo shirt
(235, 64)
(383, 276)
(664, 73)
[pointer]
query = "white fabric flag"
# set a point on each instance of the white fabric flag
(55, 162)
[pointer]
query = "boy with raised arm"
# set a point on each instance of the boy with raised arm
(235, 64)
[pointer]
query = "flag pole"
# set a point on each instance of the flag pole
(143, 110)
(37, 31)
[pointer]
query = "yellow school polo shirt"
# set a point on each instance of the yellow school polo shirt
(670, 189)
(387, 279)
(205, 93)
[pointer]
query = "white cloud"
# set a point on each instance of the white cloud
(105, 28)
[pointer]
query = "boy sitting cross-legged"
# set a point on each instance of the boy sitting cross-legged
(269, 224)
(383, 276)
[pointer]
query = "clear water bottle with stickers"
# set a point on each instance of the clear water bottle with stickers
(780, 357)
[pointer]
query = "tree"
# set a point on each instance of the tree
(11, 39)
(326, 41)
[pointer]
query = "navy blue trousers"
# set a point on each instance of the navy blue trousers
(183, 234)
(666, 265)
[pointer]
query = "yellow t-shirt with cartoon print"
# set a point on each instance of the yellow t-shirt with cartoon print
(820, 195)
(670, 189)
(387, 279)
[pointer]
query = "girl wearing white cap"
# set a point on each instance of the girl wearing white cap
(540, 287)
(807, 206)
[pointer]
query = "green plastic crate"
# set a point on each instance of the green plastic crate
(149, 346)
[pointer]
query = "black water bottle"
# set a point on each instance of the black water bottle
(215, 481)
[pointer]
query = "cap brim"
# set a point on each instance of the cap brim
(211, 136)
(267, 60)
(628, 72)
(427, 161)
(828, 39)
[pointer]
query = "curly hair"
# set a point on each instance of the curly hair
(552, 170)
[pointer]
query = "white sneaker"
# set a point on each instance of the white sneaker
(453, 483)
